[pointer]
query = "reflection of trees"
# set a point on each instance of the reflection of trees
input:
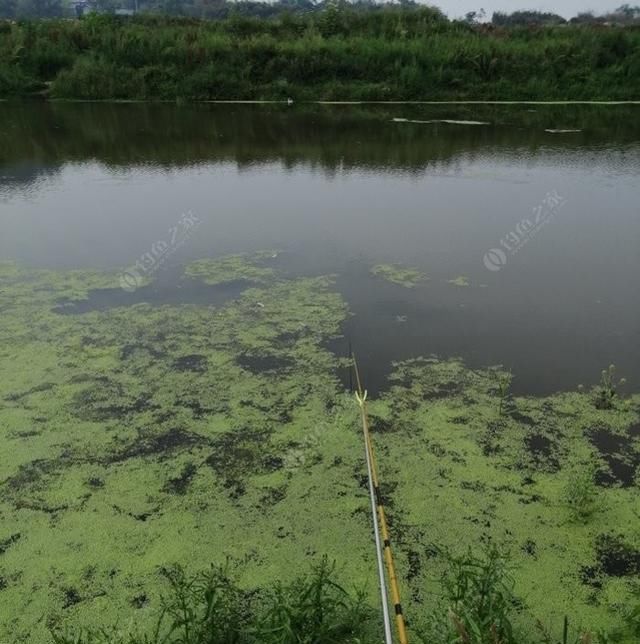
(42, 136)
(24, 174)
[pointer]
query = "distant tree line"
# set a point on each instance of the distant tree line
(221, 9)
(211, 9)
(521, 18)
(623, 15)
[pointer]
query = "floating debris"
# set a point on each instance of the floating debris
(448, 121)
(562, 131)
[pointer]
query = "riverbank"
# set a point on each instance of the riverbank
(334, 55)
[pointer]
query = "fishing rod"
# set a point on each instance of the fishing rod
(380, 527)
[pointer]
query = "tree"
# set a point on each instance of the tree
(586, 18)
(625, 14)
(526, 18)
(475, 17)
(628, 11)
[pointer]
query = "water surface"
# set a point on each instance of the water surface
(339, 189)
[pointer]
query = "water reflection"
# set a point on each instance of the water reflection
(339, 189)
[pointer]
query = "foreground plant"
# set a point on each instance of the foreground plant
(479, 594)
(629, 629)
(503, 384)
(210, 608)
(315, 609)
(581, 492)
(606, 391)
(567, 638)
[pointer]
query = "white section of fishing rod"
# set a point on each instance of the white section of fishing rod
(376, 530)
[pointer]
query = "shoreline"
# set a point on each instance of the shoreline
(18, 99)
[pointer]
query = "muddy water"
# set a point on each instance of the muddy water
(526, 228)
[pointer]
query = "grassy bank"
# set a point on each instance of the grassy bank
(334, 54)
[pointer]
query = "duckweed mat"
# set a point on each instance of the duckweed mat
(142, 436)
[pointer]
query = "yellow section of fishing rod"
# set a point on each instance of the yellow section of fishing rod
(361, 396)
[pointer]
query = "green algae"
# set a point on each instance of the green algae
(231, 268)
(134, 438)
(461, 280)
(140, 437)
(400, 275)
(466, 475)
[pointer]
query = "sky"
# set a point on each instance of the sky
(566, 8)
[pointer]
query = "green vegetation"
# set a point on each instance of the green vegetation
(503, 383)
(400, 275)
(139, 438)
(211, 608)
(338, 53)
(461, 280)
(582, 491)
(479, 600)
(606, 391)
(232, 268)
(625, 14)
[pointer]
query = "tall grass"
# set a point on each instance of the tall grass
(338, 53)
(477, 606)
(210, 608)
(477, 603)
